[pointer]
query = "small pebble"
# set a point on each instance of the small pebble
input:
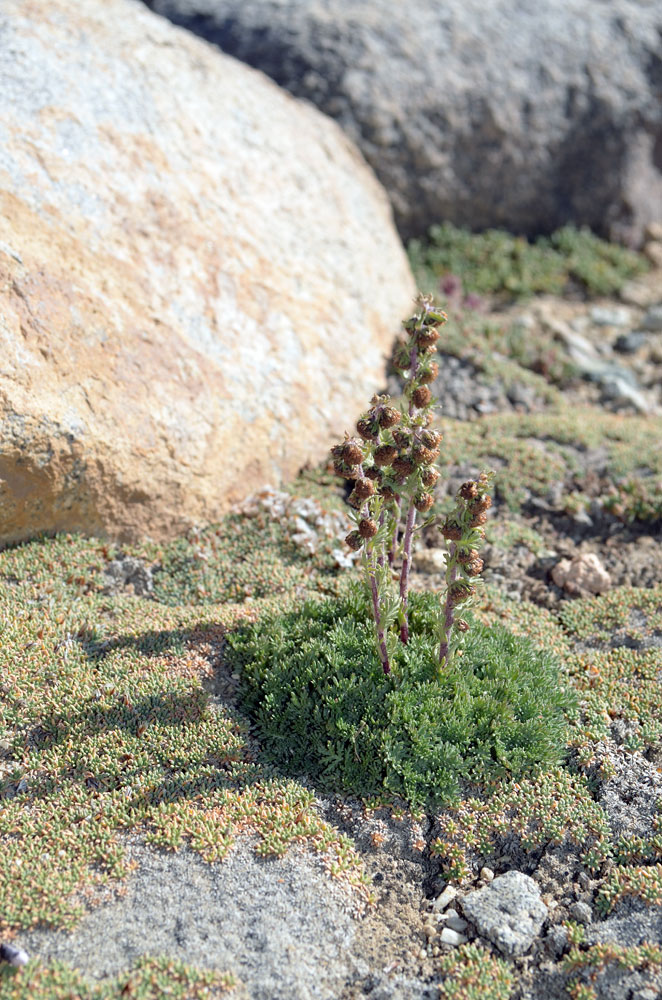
(14, 956)
(449, 936)
(446, 897)
(457, 924)
(581, 912)
(487, 874)
(584, 881)
(422, 954)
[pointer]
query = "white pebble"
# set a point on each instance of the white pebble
(446, 897)
(449, 936)
(487, 874)
(13, 956)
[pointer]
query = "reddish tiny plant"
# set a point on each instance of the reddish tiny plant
(391, 462)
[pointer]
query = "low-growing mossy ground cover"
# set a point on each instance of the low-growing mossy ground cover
(150, 979)
(497, 263)
(107, 726)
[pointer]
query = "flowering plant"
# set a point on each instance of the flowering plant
(391, 462)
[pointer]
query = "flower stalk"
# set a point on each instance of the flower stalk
(391, 462)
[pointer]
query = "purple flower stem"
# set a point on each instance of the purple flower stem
(381, 641)
(448, 609)
(404, 573)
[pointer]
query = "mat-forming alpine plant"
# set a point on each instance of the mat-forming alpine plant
(391, 461)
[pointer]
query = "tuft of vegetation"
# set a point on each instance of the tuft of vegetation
(497, 263)
(471, 973)
(150, 979)
(323, 706)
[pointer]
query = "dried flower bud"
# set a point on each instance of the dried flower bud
(367, 527)
(351, 452)
(354, 540)
(423, 502)
(402, 437)
(373, 473)
(364, 488)
(469, 490)
(421, 396)
(426, 337)
(460, 591)
(480, 504)
(474, 567)
(429, 478)
(478, 519)
(427, 377)
(461, 625)
(385, 454)
(354, 500)
(451, 531)
(342, 469)
(467, 555)
(403, 466)
(367, 429)
(389, 417)
(431, 439)
(422, 455)
(387, 492)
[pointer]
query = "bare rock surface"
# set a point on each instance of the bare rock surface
(508, 911)
(200, 278)
(562, 100)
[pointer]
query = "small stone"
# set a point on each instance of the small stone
(450, 914)
(583, 573)
(653, 250)
(581, 912)
(449, 936)
(509, 912)
(556, 941)
(487, 874)
(610, 316)
(628, 343)
(13, 956)
(422, 954)
(584, 881)
(457, 924)
(430, 561)
(646, 994)
(654, 231)
(638, 293)
(652, 320)
(446, 897)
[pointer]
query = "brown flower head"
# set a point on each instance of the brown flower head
(429, 478)
(367, 527)
(364, 488)
(421, 396)
(423, 502)
(385, 454)
(354, 540)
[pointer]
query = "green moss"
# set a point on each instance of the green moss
(497, 263)
(314, 685)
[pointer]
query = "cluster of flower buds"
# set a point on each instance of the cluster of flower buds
(464, 532)
(391, 462)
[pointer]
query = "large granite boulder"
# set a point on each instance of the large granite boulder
(507, 113)
(199, 275)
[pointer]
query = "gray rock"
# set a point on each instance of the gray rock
(280, 926)
(128, 570)
(449, 936)
(509, 912)
(581, 912)
(628, 343)
(619, 390)
(443, 99)
(653, 320)
(13, 956)
(556, 941)
(610, 315)
(631, 798)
